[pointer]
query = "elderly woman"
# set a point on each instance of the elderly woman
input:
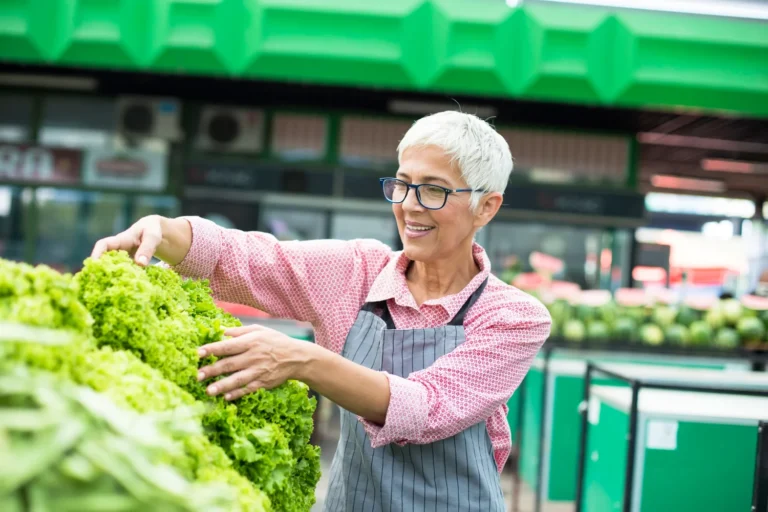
(421, 349)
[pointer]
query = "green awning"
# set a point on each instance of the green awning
(560, 53)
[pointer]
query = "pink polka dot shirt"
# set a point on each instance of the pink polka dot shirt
(326, 282)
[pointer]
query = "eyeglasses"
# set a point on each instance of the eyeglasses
(431, 197)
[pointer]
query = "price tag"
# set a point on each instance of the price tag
(662, 435)
(593, 411)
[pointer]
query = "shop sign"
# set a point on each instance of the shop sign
(575, 201)
(43, 165)
(129, 169)
(221, 175)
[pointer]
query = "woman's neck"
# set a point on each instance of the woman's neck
(433, 280)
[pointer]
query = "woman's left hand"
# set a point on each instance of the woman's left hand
(255, 357)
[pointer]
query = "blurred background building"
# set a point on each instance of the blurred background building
(639, 135)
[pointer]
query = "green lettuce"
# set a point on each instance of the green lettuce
(163, 319)
(69, 351)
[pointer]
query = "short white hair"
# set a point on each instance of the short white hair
(483, 156)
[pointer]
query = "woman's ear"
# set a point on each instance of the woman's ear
(488, 208)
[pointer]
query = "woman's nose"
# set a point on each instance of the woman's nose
(411, 202)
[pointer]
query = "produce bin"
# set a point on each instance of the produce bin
(694, 451)
(554, 388)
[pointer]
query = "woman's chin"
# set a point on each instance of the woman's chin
(414, 252)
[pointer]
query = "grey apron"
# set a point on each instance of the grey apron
(455, 474)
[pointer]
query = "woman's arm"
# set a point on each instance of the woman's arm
(259, 357)
(358, 389)
(460, 389)
(298, 280)
(468, 384)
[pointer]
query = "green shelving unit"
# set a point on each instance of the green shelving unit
(554, 388)
(694, 451)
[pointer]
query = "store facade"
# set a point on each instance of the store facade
(281, 117)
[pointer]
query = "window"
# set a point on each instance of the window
(78, 122)
(14, 211)
(15, 116)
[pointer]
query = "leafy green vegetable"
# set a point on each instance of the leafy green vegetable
(70, 352)
(71, 448)
(162, 319)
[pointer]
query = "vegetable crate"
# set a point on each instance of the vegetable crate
(692, 451)
(550, 423)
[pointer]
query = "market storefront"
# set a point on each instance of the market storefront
(292, 141)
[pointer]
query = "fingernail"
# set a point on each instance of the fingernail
(142, 260)
(212, 390)
(201, 352)
(200, 375)
(228, 396)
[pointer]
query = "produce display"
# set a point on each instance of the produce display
(131, 335)
(67, 448)
(632, 316)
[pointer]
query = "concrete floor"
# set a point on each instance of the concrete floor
(327, 437)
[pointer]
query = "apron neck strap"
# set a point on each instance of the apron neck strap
(459, 318)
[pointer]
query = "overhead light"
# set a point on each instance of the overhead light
(680, 183)
(72, 83)
(731, 9)
(426, 108)
(736, 166)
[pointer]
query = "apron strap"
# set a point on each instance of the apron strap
(457, 320)
(373, 307)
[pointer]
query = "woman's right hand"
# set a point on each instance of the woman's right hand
(168, 239)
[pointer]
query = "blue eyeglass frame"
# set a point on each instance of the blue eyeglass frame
(410, 186)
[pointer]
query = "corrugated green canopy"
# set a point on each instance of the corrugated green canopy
(548, 52)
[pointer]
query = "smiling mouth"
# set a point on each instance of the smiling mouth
(419, 228)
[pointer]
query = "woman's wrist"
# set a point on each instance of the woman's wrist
(312, 357)
(176, 241)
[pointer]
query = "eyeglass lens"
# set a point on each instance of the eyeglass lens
(429, 196)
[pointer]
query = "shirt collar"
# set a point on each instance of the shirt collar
(391, 283)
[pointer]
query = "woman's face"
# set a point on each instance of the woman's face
(430, 235)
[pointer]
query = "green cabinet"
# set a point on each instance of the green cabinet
(694, 451)
(551, 420)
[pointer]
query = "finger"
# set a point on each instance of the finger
(149, 242)
(222, 366)
(123, 241)
(236, 380)
(243, 329)
(230, 347)
(251, 387)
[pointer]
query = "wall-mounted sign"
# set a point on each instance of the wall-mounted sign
(566, 200)
(265, 178)
(125, 169)
(35, 164)
(221, 175)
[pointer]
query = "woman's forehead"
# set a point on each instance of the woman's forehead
(428, 164)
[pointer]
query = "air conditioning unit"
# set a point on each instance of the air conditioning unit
(149, 117)
(230, 130)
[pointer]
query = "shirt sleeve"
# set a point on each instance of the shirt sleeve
(302, 280)
(468, 384)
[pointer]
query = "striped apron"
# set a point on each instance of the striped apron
(455, 474)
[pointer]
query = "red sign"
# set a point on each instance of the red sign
(33, 164)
